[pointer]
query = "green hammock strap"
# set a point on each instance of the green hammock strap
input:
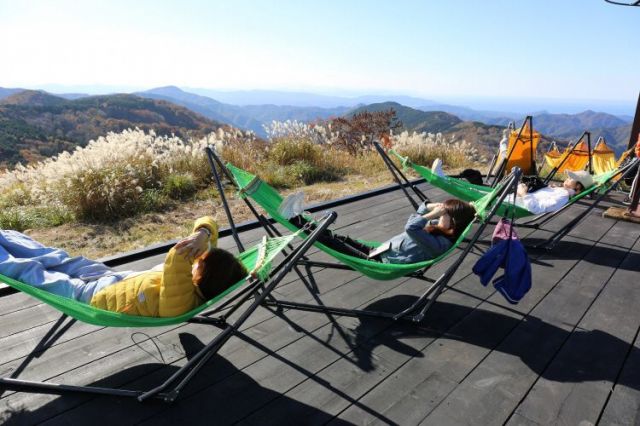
(257, 259)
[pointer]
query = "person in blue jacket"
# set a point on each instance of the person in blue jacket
(428, 233)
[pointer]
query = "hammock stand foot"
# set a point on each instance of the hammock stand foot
(169, 390)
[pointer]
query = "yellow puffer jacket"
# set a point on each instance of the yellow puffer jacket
(166, 293)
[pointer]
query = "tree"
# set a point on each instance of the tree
(360, 130)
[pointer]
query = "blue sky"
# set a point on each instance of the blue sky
(559, 49)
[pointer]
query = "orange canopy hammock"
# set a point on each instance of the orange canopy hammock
(553, 156)
(576, 159)
(523, 143)
(604, 158)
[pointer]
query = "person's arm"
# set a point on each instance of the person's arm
(204, 236)
(426, 207)
(415, 230)
(177, 292)
(437, 210)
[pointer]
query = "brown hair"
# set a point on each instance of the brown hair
(221, 270)
(461, 214)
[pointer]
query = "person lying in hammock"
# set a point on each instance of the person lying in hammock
(428, 233)
(538, 198)
(193, 272)
(551, 198)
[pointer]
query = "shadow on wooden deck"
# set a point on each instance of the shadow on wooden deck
(217, 368)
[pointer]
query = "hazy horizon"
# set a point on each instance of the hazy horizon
(473, 51)
(486, 103)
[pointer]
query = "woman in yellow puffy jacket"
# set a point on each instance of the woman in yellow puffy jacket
(193, 272)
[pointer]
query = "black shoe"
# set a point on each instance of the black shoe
(626, 201)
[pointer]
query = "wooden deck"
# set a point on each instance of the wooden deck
(568, 353)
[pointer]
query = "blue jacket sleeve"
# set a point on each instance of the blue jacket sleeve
(415, 230)
(491, 260)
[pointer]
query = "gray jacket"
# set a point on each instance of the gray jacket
(415, 244)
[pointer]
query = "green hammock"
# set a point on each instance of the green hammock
(263, 253)
(470, 192)
(269, 199)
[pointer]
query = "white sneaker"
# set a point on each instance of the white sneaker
(292, 205)
(436, 167)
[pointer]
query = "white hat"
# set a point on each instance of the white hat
(581, 176)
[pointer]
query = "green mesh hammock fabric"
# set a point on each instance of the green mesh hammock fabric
(269, 199)
(260, 255)
(469, 192)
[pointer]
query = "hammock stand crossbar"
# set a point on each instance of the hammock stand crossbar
(257, 288)
(414, 312)
(537, 221)
(566, 156)
(503, 164)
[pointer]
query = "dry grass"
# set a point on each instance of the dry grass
(130, 190)
(101, 240)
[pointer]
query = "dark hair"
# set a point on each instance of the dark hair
(581, 187)
(221, 270)
(461, 213)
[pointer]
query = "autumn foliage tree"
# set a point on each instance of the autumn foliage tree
(359, 131)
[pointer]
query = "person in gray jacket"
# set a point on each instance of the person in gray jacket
(428, 233)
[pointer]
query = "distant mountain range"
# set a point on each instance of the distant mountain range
(485, 136)
(35, 125)
(564, 127)
(250, 117)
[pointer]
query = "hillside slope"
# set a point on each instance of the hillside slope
(249, 117)
(35, 125)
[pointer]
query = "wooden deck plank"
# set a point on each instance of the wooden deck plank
(341, 272)
(459, 356)
(356, 291)
(575, 386)
(497, 385)
(303, 365)
(275, 412)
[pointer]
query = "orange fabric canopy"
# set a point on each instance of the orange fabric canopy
(520, 149)
(603, 158)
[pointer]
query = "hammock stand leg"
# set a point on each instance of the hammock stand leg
(54, 333)
(416, 311)
(503, 164)
(491, 166)
(401, 179)
(540, 220)
(201, 358)
(213, 160)
(187, 371)
(634, 193)
(554, 171)
(551, 242)
(427, 300)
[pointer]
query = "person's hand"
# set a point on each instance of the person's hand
(522, 190)
(193, 246)
(434, 206)
(437, 211)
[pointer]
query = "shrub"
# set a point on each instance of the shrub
(22, 218)
(153, 200)
(104, 180)
(423, 148)
(124, 174)
(287, 151)
(179, 186)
